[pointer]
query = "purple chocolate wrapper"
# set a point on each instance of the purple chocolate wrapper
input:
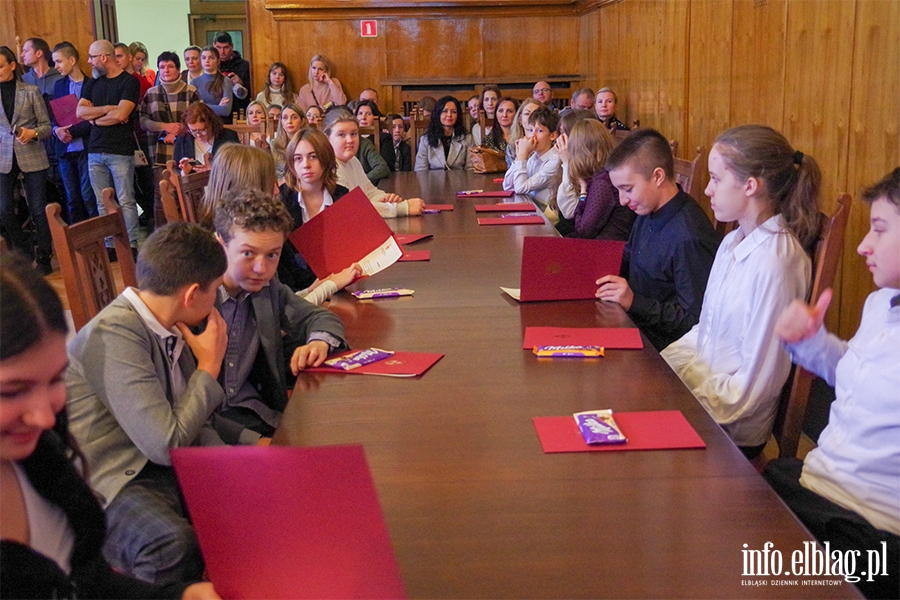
(597, 430)
(354, 360)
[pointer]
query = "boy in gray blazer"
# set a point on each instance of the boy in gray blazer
(270, 329)
(141, 382)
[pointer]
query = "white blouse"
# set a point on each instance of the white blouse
(48, 526)
(731, 360)
(351, 175)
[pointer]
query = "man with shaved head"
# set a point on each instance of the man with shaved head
(543, 94)
(108, 101)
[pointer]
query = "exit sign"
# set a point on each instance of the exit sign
(368, 28)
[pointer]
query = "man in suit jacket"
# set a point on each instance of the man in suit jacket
(71, 140)
(252, 227)
(139, 383)
(23, 123)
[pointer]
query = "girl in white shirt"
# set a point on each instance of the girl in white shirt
(732, 360)
(343, 132)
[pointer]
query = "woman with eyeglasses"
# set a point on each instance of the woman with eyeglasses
(201, 136)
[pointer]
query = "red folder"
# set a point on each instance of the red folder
(487, 194)
(64, 110)
(401, 364)
(348, 232)
(535, 220)
(278, 522)
(411, 238)
(438, 207)
(626, 338)
(566, 268)
(504, 207)
(497, 180)
(415, 255)
(655, 430)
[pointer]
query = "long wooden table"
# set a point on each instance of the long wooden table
(474, 507)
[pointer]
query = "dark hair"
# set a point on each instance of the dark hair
(496, 135)
(568, 119)
(888, 188)
(544, 116)
(435, 130)
(67, 50)
(198, 112)
(168, 56)
(645, 150)
(583, 91)
(490, 88)
(122, 45)
(29, 306)
(223, 37)
(371, 104)
(287, 88)
(791, 179)
(426, 103)
(252, 210)
(196, 49)
(179, 254)
(393, 116)
(217, 85)
(10, 57)
(39, 44)
(324, 151)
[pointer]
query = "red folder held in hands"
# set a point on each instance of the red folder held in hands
(278, 522)
(64, 110)
(350, 231)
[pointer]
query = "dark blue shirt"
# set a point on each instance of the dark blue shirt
(667, 262)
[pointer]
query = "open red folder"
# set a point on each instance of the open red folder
(654, 430)
(350, 231)
(411, 238)
(64, 110)
(626, 338)
(486, 194)
(401, 364)
(278, 522)
(507, 206)
(565, 268)
(512, 220)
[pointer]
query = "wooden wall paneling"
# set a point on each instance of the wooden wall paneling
(434, 48)
(589, 48)
(874, 138)
(757, 62)
(52, 20)
(675, 53)
(612, 68)
(709, 79)
(644, 57)
(265, 42)
(531, 45)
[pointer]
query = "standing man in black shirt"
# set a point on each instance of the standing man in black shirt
(108, 102)
(234, 67)
(672, 244)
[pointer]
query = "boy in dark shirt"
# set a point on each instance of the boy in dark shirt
(672, 244)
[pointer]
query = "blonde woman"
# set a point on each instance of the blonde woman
(323, 89)
(528, 106)
(292, 120)
(236, 166)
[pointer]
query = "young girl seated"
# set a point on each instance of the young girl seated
(517, 131)
(343, 133)
(256, 115)
(310, 186)
(536, 170)
(567, 194)
(375, 164)
(731, 360)
(446, 142)
(847, 490)
(278, 88)
(490, 96)
(598, 214)
(504, 117)
(53, 528)
(293, 119)
(235, 167)
(215, 89)
(322, 90)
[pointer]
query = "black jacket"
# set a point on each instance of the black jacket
(184, 144)
(80, 130)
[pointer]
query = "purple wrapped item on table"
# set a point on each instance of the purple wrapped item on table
(598, 427)
(354, 360)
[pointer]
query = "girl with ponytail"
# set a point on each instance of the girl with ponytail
(732, 360)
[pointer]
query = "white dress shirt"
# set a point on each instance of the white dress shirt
(731, 360)
(857, 461)
(173, 348)
(539, 177)
(566, 194)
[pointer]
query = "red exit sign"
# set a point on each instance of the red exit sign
(368, 28)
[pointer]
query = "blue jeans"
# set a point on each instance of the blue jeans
(116, 171)
(76, 178)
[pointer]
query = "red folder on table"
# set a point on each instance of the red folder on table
(624, 338)
(565, 268)
(414, 255)
(485, 194)
(64, 110)
(411, 238)
(440, 207)
(506, 206)
(401, 364)
(654, 430)
(279, 522)
(512, 220)
(350, 231)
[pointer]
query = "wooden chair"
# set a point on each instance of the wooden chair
(484, 123)
(189, 190)
(687, 173)
(375, 131)
(84, 262)
(418, 125)
(796, 392)
(673, 144)
(169, 203)
(244, 130)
